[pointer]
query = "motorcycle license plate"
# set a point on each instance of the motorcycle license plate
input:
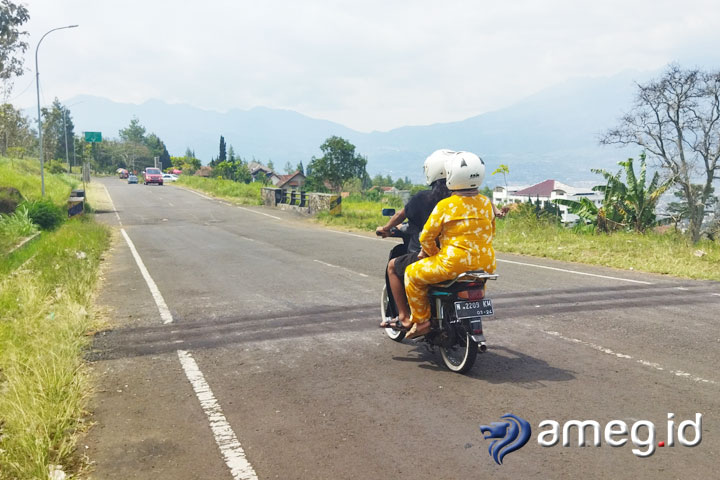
(470, 309)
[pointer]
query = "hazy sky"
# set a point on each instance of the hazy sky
(370, 65)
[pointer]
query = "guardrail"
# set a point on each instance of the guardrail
(76, 203)
(303, 202)
(292, 197)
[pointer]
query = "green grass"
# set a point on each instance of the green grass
(46, 293)
(24, 175)
(361, 214)
(238, 192)
(15, 227)
(668, 253)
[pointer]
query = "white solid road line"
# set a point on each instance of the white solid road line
(390, 239)
(341, 268)
(574, 272)
(656, 366)
(225, 438)
(519, 263)
(222, 202)
(112, 204)
(259, 213)
(197, 193)
(157, 296)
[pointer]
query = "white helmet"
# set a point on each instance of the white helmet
(464, 170)
(435, 165)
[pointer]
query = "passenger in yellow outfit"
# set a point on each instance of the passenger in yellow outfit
(464, 224)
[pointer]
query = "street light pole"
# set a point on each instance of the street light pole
(37, 86)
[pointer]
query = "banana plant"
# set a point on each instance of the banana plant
(625, 205)
(585, 209)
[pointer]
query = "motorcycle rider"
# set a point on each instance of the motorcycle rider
(417, 211)
(464, 224)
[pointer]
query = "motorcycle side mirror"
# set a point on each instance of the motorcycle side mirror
(388, 212)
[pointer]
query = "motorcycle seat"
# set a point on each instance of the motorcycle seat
(460, 282)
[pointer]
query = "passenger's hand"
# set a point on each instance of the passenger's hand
(422, 255)
(381, 232)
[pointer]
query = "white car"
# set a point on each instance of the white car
(169, 177)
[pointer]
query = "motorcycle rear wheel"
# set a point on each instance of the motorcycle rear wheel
(397, 335)
(460, 357)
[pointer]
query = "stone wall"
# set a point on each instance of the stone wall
(316, 202)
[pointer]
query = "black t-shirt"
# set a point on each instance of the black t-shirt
(417, 211)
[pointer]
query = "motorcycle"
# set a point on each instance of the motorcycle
(458, 307)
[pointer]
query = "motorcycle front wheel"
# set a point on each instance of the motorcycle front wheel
(396, 335)
(460, 357)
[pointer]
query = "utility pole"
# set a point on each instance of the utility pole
(74, 158)
(67, 158)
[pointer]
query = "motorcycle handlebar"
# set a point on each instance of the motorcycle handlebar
(394, 232)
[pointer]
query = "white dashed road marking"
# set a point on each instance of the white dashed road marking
(230, 204)
(341, 268)
(656, 366)
(225, 438)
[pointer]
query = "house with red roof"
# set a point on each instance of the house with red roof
(547, 191)
(294, 181)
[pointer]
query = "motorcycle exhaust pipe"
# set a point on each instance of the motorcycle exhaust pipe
(482, 348)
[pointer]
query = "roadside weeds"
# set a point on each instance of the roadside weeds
(44, 382)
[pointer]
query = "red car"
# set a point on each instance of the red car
(152, 175)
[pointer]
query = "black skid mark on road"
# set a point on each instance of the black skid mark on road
(213, 333)
(549, 302)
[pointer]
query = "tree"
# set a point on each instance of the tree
(300, 167)
(190, 163)
(53, 133)
(15, 133)
(505, 170)
(223, 154)
(158, 149)
(134, 133)
(676, 119)
(63, 129)
(679, 210)
(271, 166)
(12, 44)
(289, 168)
(339, 163)
(231, 154)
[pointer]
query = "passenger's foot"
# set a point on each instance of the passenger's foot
(395, 324)
(419, 329)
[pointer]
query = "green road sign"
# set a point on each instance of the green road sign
(93, 136)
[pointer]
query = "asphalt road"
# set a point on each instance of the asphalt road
(268, 360)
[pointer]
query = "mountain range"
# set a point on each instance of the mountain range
(551, 134)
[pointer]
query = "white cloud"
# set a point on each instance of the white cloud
(369, 65)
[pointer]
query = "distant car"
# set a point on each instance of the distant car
(153, 175)
(169, 177)
(132, 178)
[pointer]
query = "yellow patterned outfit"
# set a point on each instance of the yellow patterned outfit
(466, 227)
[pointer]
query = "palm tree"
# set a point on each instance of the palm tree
(505, 170)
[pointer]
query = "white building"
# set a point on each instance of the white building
(547, 191)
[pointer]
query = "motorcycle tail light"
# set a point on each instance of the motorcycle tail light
(473, 294)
